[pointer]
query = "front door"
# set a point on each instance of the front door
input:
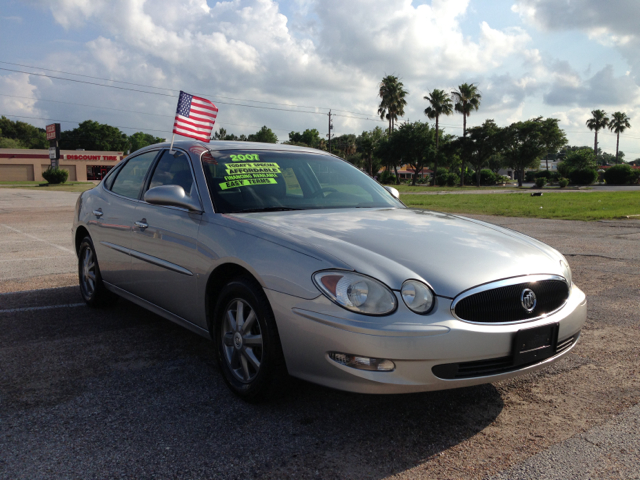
(113, 214)
(164, 243)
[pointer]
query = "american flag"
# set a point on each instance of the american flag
(195, 117)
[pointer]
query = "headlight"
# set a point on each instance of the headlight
(356, 292)
(566, 270)
(417, 296)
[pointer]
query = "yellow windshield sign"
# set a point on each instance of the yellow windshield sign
(246, 168)
(246, 174)
(243, 183)
(245, 157)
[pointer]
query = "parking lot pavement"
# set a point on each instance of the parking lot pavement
(35, 239)
(609, 451)
(124, 393)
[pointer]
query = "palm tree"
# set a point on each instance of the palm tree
(440, 105)
(467, 99)
(597, 121)
(618, 124)
(392, 102)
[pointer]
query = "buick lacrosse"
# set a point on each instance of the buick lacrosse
(294, 262)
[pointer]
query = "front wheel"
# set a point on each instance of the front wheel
(248, 347)
(92, 289)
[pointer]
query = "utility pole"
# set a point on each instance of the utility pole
(330, 128)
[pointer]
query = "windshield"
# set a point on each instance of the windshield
(258, 180)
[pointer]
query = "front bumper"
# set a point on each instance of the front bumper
(310, 329)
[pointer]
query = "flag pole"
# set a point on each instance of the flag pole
(171, 147)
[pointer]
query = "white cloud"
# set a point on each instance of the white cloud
(327, 53)
(15, 87)
(12, 18)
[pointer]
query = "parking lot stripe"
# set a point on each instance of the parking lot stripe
(38, 239)
(48, 307)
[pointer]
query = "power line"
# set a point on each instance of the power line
(128, 111)
(174, 90)
(166, 94)
(75, 121)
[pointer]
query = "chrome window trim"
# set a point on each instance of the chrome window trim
(148, 258)
(204, 177)
(506, 283)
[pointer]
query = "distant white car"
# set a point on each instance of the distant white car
(296, 263)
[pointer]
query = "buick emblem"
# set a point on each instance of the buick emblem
(528, 300)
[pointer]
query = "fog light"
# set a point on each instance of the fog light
(362, 363)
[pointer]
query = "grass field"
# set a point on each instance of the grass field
(568, 206)
(425, 188)
(63, 187)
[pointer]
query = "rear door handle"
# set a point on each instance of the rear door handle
(142, 224)
(98, 213)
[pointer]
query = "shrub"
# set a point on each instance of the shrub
(469, 177)
(618, 175)
(563, 182)
(543, 174)
(529, 176)
(55, 175)
(555, 176)
(541, 182)
(487, 177)
(583, 176)
(386, 177)
(635, 176)
(452, 180)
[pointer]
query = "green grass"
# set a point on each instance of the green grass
(568, 206)
(63, 187)
(425, 188)
(26, 183)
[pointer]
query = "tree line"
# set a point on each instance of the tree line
(89, 135)
(519, 146)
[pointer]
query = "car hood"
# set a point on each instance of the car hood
(449, 252)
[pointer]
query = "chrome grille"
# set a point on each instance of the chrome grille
(503, 303)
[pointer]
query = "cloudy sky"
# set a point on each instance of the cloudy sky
(285, 64)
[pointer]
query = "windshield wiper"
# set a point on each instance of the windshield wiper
(268, 209)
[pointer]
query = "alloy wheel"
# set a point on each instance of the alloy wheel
(88, 272)
(242, 340)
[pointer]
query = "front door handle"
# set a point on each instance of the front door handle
(98, 213)
(142, 224)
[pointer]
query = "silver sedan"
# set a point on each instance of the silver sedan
(296, 263)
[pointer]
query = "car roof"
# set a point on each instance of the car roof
(220, 145)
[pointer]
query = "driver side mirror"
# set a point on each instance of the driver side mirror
(173, 196)
(393, 191)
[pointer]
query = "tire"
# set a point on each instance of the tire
(247, 345)
(92, 289)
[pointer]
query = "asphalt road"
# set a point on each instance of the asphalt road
(123, 393)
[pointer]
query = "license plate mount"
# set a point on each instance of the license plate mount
(533, 345)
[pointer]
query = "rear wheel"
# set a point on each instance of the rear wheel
(248, 347)
(92, 289)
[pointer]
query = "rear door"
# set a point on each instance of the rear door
(113, 214)
(165, 259)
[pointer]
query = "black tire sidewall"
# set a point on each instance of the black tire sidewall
(248, 291)
(100, 294)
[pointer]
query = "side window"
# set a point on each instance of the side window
(173, 169)
(111, 176)
(130, 178)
